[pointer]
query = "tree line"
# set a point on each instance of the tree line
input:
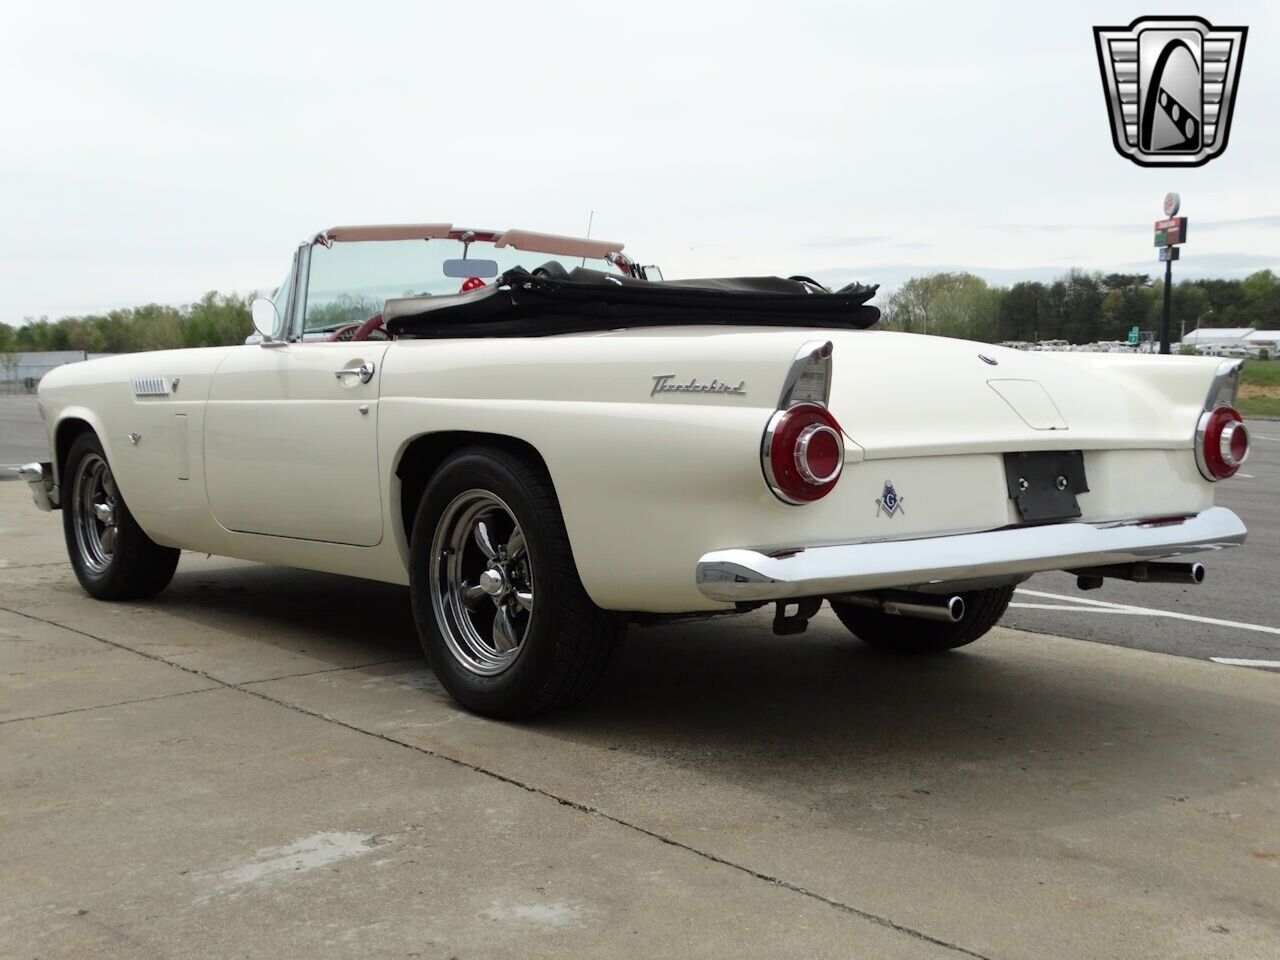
(1080, 307)
(213, 320)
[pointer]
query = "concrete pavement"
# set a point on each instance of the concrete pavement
(257, 763)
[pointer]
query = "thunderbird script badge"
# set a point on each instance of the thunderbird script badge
(1170, 84)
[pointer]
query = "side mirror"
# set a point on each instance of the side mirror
(266, 319)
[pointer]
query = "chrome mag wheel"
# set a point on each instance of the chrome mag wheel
(481, 582)
(94, 508)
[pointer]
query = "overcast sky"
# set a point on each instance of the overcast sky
(151, 153)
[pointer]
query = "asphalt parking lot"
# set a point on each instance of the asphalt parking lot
(1234, 614)
(258, 763)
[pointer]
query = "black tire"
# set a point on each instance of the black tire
(567, 640)
(907, 635)
(135, 566)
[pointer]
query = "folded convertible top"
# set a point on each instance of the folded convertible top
(521, 304)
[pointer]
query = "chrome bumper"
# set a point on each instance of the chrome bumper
(39, 477)
(731, 575)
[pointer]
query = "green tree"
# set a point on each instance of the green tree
(945, 304)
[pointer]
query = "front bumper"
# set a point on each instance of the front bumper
(747, 575)
(39, 477)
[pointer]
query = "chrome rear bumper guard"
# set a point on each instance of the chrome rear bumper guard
(748, 575)
(39, 477)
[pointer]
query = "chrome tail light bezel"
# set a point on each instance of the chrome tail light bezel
(1214, 435)
(805, 395)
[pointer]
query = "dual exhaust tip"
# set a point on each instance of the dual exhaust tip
(1090, 578)
(902, 603)
(950, 609)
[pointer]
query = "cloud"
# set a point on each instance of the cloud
(847, 241)
(1270, 221)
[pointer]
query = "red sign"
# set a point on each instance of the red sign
(1171, 231)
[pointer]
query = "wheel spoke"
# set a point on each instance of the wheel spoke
(472, 594)
(525, 599)
(484, 539)
(109, 483)
(515, 544)
(504, 632)
(108, 539)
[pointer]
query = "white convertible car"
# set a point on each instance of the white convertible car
(544, 443)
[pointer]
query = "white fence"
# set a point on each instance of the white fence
(21, 372)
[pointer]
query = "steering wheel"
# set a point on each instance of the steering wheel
(371, 329)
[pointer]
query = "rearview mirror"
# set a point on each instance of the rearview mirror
(461, 269)
(266, 319)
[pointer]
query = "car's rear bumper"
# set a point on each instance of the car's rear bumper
(743, 574)
(39, 477)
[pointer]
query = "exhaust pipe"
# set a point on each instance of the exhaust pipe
(1145, 572)
(899, 603)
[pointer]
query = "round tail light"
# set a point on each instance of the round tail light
(1222, 443)
(803, 453)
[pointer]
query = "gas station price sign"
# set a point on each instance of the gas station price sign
(1171, 232)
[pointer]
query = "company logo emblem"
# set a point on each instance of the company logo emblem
(888, 502)
(1170, 84)
(663, 384)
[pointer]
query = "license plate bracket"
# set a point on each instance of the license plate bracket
(1043, 484)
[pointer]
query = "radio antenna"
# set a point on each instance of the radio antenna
(591, 218)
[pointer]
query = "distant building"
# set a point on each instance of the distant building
(1217, 336)
(1268, 340)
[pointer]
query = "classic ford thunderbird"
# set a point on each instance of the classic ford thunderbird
(544, 441)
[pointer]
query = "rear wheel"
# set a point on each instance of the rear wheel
(113, 559)
(501, 612)
(908, 635)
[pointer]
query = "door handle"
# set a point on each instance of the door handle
(364, 372)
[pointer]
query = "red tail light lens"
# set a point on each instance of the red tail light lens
(803, 453)
(1222, 443)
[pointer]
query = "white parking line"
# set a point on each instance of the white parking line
(1065, 606)
(1258, 436)
(1150, 611)
(1233, 662)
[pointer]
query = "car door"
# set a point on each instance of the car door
(291, 441)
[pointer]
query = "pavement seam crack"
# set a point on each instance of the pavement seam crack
(312, 673)
(108, 706)
(577, 805)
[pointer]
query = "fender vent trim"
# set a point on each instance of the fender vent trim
(150, 387)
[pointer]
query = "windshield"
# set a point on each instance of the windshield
(350, 282)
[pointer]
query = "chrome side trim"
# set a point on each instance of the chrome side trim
(39, 477)
(745, 574)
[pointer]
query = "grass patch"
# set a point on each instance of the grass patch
(1262, 372)
(1259, 406)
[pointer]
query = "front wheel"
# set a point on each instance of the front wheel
(907, 635)
(501, 612)
(111, 555)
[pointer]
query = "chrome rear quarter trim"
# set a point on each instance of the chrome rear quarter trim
(745, 574)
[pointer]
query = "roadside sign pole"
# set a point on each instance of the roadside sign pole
(1168, 290)
(1170, 232)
